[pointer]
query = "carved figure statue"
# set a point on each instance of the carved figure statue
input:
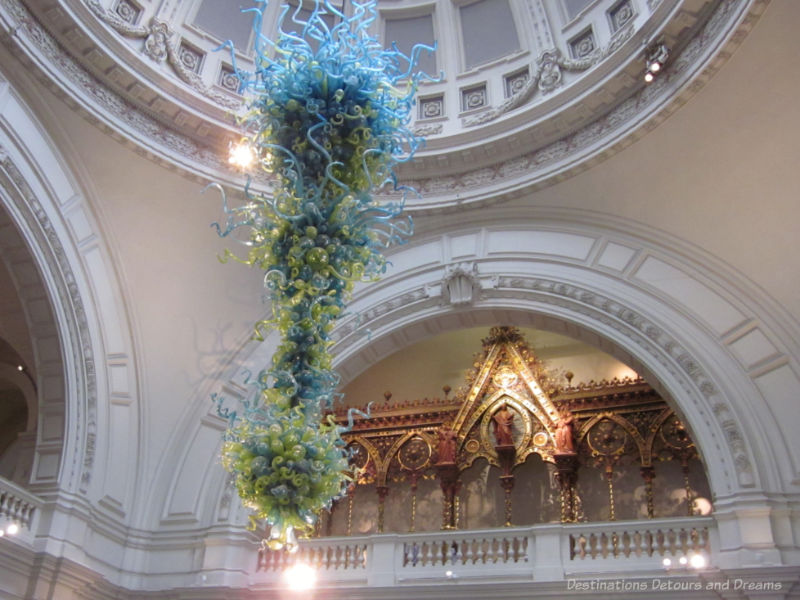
(503, 421)
(447, 444)
(565, 443)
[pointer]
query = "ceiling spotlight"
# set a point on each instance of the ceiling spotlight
(300, 577)
(12, 529)
(666, 562)
(655, 58)
(242, 155)
(683, 560)
(20, 368)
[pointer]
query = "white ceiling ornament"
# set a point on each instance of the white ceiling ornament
(461, 285)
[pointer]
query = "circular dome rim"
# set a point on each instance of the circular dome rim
(431, 169)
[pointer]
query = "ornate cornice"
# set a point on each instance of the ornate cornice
(158, 46)
(643, 111)
(510, 162)
(63, 75)
(547, 77)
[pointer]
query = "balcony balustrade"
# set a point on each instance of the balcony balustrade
(548, 552)
(19, 507)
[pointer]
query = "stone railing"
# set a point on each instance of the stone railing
(638, 539)
(336, 555)
(469, 549)
(550, 552)
(20, 507)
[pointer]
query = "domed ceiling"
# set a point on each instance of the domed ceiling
(529, 90)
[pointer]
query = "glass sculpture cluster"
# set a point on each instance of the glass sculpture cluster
(329, 118)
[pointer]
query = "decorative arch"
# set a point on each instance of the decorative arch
(603, 287)
(18, 466)
(49, 455)
(86, 377)
(394, 453)
(708, 340)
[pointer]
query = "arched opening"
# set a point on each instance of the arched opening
(576, 285)
(31, 362)
(13, 414)
(633, 456)
(18, 409)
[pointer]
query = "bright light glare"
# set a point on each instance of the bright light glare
(683, 560)
(648, 77)
(12, 529)
(697, 561)
(655, 66)
(20, 368)
(701, 506)
(300, 577)
(666, 562)
(242, 156)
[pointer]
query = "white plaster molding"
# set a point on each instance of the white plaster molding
(97, 401)
(116, 115)
(29, 216)
(590, 143)
(547, 76)
(461, 284)
(402, 303)
(470, 159)
(565, 282)
(158, 46)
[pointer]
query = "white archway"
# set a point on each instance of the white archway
(86, 371)
(702, 334)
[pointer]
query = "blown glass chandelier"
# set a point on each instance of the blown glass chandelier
(329, 119)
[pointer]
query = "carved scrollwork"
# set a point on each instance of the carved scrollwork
(116, 22)
(547, 76)
(549, 71)
(428, 129)
(156, 46)
(159, 46)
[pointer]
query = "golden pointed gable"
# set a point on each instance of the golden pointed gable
(507, 374)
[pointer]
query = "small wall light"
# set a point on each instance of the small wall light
(655, 58)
